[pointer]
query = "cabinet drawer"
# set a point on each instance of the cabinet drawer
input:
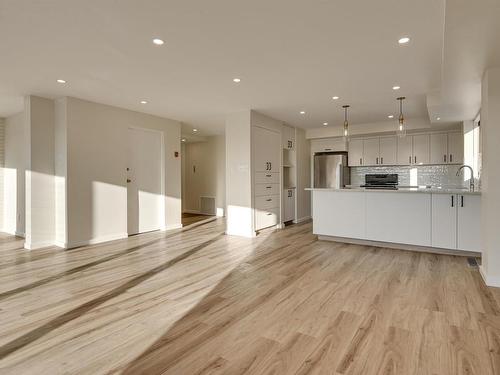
(267, 201)
(267, 178)
(266, 189)
(266, 218)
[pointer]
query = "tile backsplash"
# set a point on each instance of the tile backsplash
(433, 175)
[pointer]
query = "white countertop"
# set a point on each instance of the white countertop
(402, 190)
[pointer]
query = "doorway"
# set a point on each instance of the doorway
(145, 203)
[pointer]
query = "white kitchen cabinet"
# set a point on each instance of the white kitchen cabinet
(267, 154)
(455, 148)
(340, 214)
(421, 149)
(266, 189)
(439, 148)
(371, 151)
(398, 218)
(388, 150)
(355, 152)
(469, 222)
(288, 137)
(288, 205)
(444, 220)
(266, 218)
(405, 150)
(327, 145)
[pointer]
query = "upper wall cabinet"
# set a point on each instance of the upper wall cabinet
(288, 137)
(355, 157)
(327, 145)
(267, 154)
(447, 148)
(373, 151)
(421, 149)
(388, 150)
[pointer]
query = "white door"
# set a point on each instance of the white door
(456, 148)
(421, 149)
(469, 222)
(388, 150)
(371, 151)
(144, 187)
(355, 152)
(444, 220)
(405, 151)
(266, 150)
(439, 148)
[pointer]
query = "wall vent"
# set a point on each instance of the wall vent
(207, 206)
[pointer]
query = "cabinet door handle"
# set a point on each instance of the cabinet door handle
(445, 158)
(269, 187)
(451, 158)
(409, 159)
(328, 149)
(452, 201)
(376, 161)
(360, 161)
(382, 160)
(268, 175)
(461, 201)
(268, 200)
(415, 160)
(270, 166)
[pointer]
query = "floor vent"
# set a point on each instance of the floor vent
(472, 262)
(207, 206)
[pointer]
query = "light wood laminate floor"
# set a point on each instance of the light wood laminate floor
(195, 301)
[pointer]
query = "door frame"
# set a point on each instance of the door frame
(163, 224)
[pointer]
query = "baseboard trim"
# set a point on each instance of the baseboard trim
(489, 281)
(174, 226)
(397, 246)
(302, 219)
(96, 240)
(39, 245)
(194, 212)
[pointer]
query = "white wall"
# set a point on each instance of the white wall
(96, 191)
(2, 165)
(303, 175)
(40, 193)
(207, 178)
(490, 200)
(238, 174)
(374, 127)
(61, 172)
(14, 169)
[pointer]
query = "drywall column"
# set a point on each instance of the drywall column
(490, 200)
(238, 175)
(40, 202)
(2, 166)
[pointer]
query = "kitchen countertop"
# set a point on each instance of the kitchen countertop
(402, 190)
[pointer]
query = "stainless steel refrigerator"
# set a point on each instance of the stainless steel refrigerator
(331, 170)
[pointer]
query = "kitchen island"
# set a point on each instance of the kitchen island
(438, 220)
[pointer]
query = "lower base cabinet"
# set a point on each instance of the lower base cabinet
(266, 218)
(469, 223)
(288, 205)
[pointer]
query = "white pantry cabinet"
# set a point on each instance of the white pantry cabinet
(469, 222)
(288, 137)
(267, 153)
(398, 218)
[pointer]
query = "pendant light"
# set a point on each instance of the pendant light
(346, 123)
(401, 132)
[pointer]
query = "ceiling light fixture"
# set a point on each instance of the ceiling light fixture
(158, 41)
(144, 102)
(302, 112)
(195, 130)
(401, 127)
(404, 40)
(236, 80)
(183, 140)
(61, 81)
(325, 123)
(438, 118)
(396, 87)
(346, 123)
(335, 98)
(391, 116)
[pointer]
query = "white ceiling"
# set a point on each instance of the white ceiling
(291, 55)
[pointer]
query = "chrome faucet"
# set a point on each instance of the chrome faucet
(471, 181)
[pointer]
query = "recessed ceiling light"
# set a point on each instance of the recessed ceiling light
(335, 98)
(61, 81)
(404, 40)
(236, 80)
(144, 102)
(438, 118)
(195, 130)
(325, 123)
(158, 41)
(396, 87)
(391, 116)
(302, 112)
(183, 140)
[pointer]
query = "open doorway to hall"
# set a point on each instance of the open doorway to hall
(203, 177)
